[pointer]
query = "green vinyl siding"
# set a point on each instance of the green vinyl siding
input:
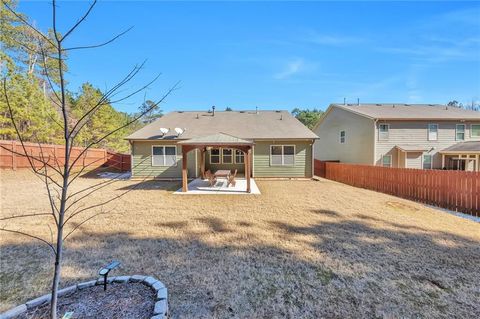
(142, 161)
(302, 166)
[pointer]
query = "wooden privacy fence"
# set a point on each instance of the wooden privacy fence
(454, 190)
(12, 156)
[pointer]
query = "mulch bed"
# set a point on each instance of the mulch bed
(132, 300)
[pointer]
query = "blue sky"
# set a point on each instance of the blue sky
(278, 55)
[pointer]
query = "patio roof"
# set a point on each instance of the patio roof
(471, 147)
(411, 148)
(216, 139)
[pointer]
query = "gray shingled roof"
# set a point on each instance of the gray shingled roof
(411, 148)
(244, 125)
(411, 111)
(462, 147)
(216, 139)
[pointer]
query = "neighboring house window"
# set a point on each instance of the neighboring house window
(475, 130)
(282, 154)
(215, 156)
(387, 161)
(239, 157)
(164, 156)
(460, 132)
(342, 137)
(432, 132)
(227, 156)
(427, 161)
(383, 131)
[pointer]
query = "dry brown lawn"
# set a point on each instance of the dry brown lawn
(302, 249)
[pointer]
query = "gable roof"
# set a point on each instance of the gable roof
(216, 139)
(242, 124)
(391, 111)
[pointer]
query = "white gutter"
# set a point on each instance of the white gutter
(313, 158)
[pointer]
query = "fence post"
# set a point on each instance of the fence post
(14, 156)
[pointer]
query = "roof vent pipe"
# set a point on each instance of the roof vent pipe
(213, 110)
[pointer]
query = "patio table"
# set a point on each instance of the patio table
(222, 173)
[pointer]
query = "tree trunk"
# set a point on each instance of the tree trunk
(56, 279)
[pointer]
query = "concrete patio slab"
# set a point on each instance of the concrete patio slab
(199, 186)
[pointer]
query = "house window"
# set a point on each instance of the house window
(460, 132)
(432, 132)
(227, 156)
(475, 130)
(164, 156)
(282, 155)
(239, 157)
(427, 161)
(383, 132)
(342, 137)
(387, 161)
(215, 156)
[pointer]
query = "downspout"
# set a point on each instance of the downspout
(313, 158)
(131, 158)
(253, 160)
(375, 141)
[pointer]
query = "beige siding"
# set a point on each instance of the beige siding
(413, 160)
(142, 162)
(302, 163)
(359, 143)
(416, 133)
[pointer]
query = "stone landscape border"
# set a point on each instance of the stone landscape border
(160, 310)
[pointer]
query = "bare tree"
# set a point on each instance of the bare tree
(69, 209)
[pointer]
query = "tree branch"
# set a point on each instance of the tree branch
(80, 21)
(31, 236)
(99, 45)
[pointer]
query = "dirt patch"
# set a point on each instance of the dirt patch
(132, 300)
(402, 206)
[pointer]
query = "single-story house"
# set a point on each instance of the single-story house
(261, 143)
(422, 136)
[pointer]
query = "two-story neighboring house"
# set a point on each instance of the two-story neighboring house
(400, 135)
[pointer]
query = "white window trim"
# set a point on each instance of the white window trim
(471, 131)
(235, 156)
(456, 131)
(428, 131)
(283, 146)
(431, 160)
(164, 146)
(391, 159)
(232, 155)
(379, 132)
(219, 155)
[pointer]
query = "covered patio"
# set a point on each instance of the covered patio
(219, 140)
(464, 156)
(201, 187)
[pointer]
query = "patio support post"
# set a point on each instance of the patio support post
(443, 161)
(202, 162)
(247, 168)
(184, 169)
